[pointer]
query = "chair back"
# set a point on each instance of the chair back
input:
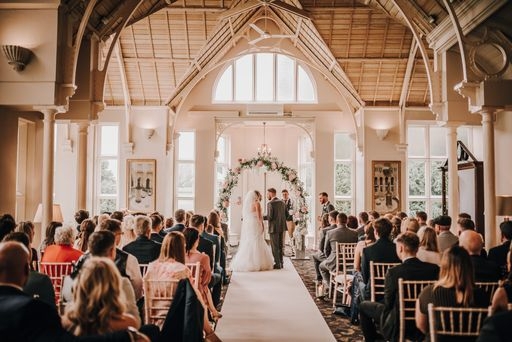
(213, 258)
(345, 255)
(143, 269)
(378, 272)
(195, 269)
(489, 288)
(408, 293)
(56, 271)
(158, 296)
(455, 321)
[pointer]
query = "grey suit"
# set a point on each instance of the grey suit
(341, 234)
(276, 217)
(445, 240)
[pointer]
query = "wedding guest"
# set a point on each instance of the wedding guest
(127, 230)
(80, 216)
(49, 236)
(7, 225)
(27, 227)
(180, 217)
(327, 206)
(216, 229)
(144, 249)
(485, 270)
(320, 256)
(86, 229)
(156, 227)
(188, 216)
(499, 253)
(369, 239)
(373, 215)
(362, 219)
(62, 250)
(102, 218)
(445, 238)
(352, 222)
(428, 251)
(503, 295)
(422, 217)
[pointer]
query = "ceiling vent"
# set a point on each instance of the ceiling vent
(265, 110)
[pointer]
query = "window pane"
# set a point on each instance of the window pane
(186, 146)
(343, 179)
(185, 204)
(344, 206)
(108, 175)
(244, 78)
(109, 140)
(415, 206)
(305, 91)
(436, 208)
(463, 135)
(416, 141)
(416, 178)
(224, 90)
(285, 78)
(343, 146)
(185, 182)
(221, 147)
(436, 178)
(437, 142)
(108, 205)
(264, 77)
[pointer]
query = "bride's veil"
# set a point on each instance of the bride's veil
(250, 197)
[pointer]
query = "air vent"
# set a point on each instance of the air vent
(271, 110)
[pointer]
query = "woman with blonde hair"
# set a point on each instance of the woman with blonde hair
(86, 229)
(455, 287)
(429, 251)
(97, 306)
(27, 227)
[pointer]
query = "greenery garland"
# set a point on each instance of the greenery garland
(271, 164)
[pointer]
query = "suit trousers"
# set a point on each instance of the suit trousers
(276, 243)
(369, 316)
(325, 271)
(215, 286)
(290, 226)
(317, 259)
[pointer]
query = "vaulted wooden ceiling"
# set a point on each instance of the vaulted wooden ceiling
(160, 53)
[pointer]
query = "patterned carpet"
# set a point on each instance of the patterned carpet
(340, 326)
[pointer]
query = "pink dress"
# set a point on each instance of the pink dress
(205, 274)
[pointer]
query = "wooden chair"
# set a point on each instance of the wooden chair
(450, 321)
(378, 272)
(344, 272)
(489, 288)
(143, 269)
(158, 296)
(56, 271)
(408, 293)
(195, 269)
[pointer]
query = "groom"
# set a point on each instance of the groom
(276, 217)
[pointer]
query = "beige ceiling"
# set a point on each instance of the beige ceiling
(363, 45)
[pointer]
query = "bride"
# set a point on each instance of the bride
(253, 252)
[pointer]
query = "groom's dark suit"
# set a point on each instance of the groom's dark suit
(276, 217)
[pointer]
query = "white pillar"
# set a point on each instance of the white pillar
(453, 176)
(48, 151)
(82, 166)
(489, 174)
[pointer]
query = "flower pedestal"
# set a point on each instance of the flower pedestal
(299, 247)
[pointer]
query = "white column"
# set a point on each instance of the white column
(81, 178)
(489, 174)
(453, 176)
(48, 151)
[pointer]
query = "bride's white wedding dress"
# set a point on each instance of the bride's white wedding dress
(253, 252)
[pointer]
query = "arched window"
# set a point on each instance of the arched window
(264, 78)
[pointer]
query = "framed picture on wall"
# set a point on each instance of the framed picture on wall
(141, 185)
(386, 186)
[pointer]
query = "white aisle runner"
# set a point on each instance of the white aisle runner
(271, 306)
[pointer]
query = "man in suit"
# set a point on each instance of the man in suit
(290, 225)
(156, 228)
(276, 217)
(496, 328)
(319, 256)
(144, 249)
(179, 216)
(362, 220)
(498, 254)
(485, 270)
(383, 250)
(327, 207)
(386, 314)
(341, 234)
(445, 238)
(23, 318)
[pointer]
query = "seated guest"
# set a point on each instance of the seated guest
(179, 218)
(23, 318)
(98, 306)
(386, 314)
(86, 229)
(341, 234)
(143, 248)
(126, 263)
(503, 295)
(383, 250)
(410, 224)
(373, 215)
(27, 227)
(188, 216)
(49, 236)
(362, 219)
(455, 288)
(397, 226)
(485, 270)
(428, 251)
(368, 241)
(156, 227)
(62, 250)
(102, 244)
(319, 256)
(80, 216)
(498, 254)
(352, 222)
(128, 230)
(7, 225)
(496, 328)
(169, 222)
(445, 238)
(38, 285)
(421, 216)
(215, 228)
(208, 234)
(224, 227)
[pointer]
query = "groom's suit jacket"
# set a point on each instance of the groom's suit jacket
(276, 216)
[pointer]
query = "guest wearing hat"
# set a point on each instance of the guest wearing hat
(498, 254)
(445, 238)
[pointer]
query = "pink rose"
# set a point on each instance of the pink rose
(238, 170)
(240, 160)
(273, 166)
(259, 163)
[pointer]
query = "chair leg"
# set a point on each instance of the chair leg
(335, 295)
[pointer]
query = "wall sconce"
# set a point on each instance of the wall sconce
(149, 132)
(17, 56)
(504, 206)
(56, 214)
(382, 133)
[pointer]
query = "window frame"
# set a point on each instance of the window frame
(100, 158)
(351, 162)
(177, 164)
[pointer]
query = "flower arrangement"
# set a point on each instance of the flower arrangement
(270, 164)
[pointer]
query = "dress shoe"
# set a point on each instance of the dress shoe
(277, 267)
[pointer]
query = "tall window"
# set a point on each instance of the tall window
(343, 172)
(185, 171)
(426, 153)
(108, 173)
(222, 163)
(306, 175)
(264, 78)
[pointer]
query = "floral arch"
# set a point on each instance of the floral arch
(289, 175)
